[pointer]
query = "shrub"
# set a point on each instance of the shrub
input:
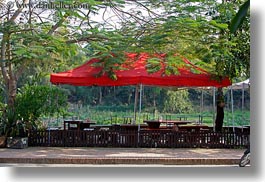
(36, 100)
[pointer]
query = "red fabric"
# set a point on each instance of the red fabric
(136, 73)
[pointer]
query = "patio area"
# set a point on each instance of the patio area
(42, 156)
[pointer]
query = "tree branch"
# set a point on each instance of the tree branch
(18, 11)
(117, 10)
(23, 30)
(58, 24)
(87, 39)
(141, 4)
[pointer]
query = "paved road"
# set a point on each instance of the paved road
(119, 156)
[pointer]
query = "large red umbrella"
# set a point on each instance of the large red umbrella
(134, 72)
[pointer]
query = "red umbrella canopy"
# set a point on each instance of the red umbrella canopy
(134, 71)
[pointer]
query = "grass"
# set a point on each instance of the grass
(106, 115)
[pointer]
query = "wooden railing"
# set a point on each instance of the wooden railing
(143, 138)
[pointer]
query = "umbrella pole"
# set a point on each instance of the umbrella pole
(213, 108)
(140, 100)
(201, 107)
(232, 108)
(243, 100)
(140, 109)
(135, 102)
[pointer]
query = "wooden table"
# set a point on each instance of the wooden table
(155, 124)
(176, 122)
(101, 127)
(86, 124)
(195, 127)
(80, 124)
(134, 127)
(69, 124)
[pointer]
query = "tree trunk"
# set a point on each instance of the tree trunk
(8, 72)
(12, 92)
(220, 111)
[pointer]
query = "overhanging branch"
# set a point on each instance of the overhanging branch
(87, 39)
(58, 24)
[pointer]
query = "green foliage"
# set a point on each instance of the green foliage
(122, 98)
(153, 65)
(40, 49)
(218, 25)
(109, 58)
(34, 101)
(10, 125)
(115, 114)
(31, 103)
(200, 32)
(240, 16)
(176, 102)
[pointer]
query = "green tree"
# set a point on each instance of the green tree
(52, 39)
(35, 101)
(31, 103)
(176, 102)
(200, 31)
(56, 39)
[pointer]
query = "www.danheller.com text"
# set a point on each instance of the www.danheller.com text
(52, 5)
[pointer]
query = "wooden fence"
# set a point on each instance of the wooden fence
(142, 138)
